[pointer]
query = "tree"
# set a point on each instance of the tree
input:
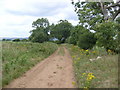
(86, 40)
(43, 23)
(100, 16)
(38, 36)
(24, 40)
(107, 35)
(113, 9)
(96, 12)
(16, 40)
(51, 28)
(75, 33)
(118, 20)
(40, 31)
(82, 37)
(6, 39)
(3, 39)
(61, 31)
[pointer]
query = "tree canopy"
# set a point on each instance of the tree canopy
(90, 13)
(101, 17)
(40, 31)
(62, 30)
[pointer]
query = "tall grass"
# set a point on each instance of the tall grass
(18, 57)
(95, 68)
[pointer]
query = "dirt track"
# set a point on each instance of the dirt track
(56, 71)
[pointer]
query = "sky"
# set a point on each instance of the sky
(16, 16)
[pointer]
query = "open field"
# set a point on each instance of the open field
(56, 71)
(18, 57)
(95, 68)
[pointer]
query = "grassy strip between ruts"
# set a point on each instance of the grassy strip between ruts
(61, 51)
(18, 57)
(94, 68)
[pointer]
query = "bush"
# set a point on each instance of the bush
(86, 40)
(24, 40)
(107, 35)
(75, 33)
(72, 40)
(38, 36)
(16, 40)
(6, 40)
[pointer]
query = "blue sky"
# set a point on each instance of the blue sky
(17, 15)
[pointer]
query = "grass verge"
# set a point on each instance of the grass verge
(94, 68)
(18, 57)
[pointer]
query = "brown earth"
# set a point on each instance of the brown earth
(56, 71)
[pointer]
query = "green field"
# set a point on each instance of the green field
(94, 68)
(18, 57)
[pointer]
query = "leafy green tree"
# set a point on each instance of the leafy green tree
(82, 37)
(107, 35)
(99, 16)
(51, 28)
(3, 39)
(86, 40)
(6, 39)
(75, 33)
(118, 20)
(40, 31)
(118, 38)
(61, 31)
(16, 40)
(91, 13)
(38, 36)
(24, 40)
(42, 24)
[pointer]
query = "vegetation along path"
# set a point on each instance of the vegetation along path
(56, 71)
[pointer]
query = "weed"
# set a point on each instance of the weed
(94, 68)
(18, 57)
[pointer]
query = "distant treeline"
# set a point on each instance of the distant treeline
(102, 34)
(94, 28)
(15, 40)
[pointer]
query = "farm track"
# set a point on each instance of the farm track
(56, 71)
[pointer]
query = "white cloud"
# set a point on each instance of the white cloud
(17, 15)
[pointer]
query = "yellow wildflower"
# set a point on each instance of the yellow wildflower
(73, 83)
(90, 76)
(90, 73)
(73, 56)
(86, 50)
(109, 51)
(94, 52)
(82, 49)
(78, 58)
(83, 73)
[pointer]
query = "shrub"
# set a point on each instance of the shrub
(75, 33)
(107, 35)
(38, 36)
(72, 40)
(16, 40)
(24, 40)
(86, 40)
